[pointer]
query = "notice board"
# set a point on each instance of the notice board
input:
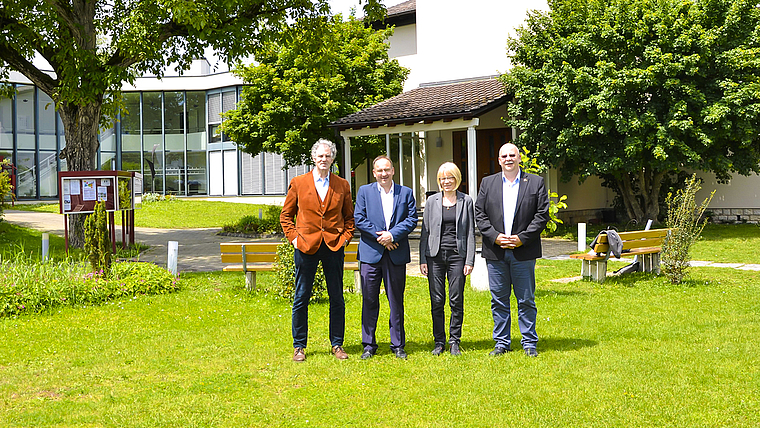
(80, 190)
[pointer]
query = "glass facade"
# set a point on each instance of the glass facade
(172, 137)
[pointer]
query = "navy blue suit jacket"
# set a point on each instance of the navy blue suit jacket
(369, 219)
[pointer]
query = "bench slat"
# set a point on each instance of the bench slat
(269, 267)
(251, 268)
(249, 258)
(639, 234)
(635, 252)
(250, 247)
(630, 245)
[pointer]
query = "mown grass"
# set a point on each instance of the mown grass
(177, 213)
(724, 243)
(633, 351)
(18, 241)
(719, 243)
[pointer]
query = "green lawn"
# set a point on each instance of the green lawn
(724, 243)
(177, 214)
(631, 352)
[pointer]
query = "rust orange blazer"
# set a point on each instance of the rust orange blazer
(313, 221)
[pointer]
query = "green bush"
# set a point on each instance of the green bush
(33, 287)
(251, 224)
(97, 242)
(556, 202)
(6, 190)
(157, 197)
(685, 218)
(285, 276)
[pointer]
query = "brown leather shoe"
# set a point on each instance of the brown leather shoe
(339, 353)
(299, 355)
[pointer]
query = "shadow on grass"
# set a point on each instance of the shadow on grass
(545, 344)
(564, 293)
(564, 344)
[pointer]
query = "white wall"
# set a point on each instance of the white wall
(457, 40)
(403, 41)
(740, 192)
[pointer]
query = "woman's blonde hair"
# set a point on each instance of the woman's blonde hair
(452, 169)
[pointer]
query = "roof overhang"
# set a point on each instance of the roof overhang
(422, 126)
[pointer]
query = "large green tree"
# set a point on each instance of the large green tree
(307, 80)
(93, 46)
(633, 90)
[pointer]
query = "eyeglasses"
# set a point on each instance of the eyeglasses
(508, 155)
(447, 179)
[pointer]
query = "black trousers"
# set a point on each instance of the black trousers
(446, 264)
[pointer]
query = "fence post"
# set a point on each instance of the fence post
(171, 264)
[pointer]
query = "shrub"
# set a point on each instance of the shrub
(33, 287)
(686, 220)
(157, 197)
(556, 202)
(97, 242)
(285, 276)
(251, 224)
(6, 190)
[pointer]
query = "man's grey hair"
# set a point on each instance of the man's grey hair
(324, 142)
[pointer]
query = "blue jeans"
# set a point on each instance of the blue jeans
(504, 276)
(306, 269)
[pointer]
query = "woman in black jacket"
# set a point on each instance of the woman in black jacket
(447, 249)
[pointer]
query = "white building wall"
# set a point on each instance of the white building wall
(403, 41)
(457, 40)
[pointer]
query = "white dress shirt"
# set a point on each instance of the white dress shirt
(387, 201)
(509, 200)
(322, 184)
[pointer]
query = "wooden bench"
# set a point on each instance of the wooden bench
(645, 243)
(252, 257)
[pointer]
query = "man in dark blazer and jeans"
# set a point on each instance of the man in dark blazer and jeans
(385, 214)
(511, 211)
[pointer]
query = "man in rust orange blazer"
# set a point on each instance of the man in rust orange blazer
(318, 219)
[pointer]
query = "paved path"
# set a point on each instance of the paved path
(199, 248)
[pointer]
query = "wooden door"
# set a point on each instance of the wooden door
(489, 141)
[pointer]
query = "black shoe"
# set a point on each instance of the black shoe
(400, 353)
(498, 351)
(454, 349)
(438, 350)
(531, 352)
(367, 354)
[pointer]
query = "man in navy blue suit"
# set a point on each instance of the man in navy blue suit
(385, 214)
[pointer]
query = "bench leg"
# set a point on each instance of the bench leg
(651, 263)
(250, 280)
(357, 282)
(596, 270)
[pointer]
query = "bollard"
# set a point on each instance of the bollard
(171, 263)
(581, 236)
(45, 246)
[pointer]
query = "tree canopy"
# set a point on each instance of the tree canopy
(93, 46)
(307, 80)
(633, 90)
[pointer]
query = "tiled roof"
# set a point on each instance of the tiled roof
(401, 8)
(430, 103)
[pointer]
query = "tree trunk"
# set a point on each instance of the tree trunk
(641, 194)
(80, 125)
